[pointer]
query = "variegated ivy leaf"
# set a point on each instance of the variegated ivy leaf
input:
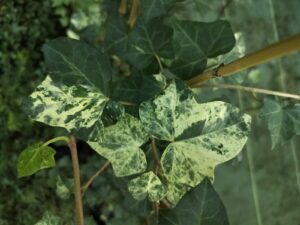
(50, 219)
(78, 108)
(148, 184)
(201, 136)
(121, 146)
(34, 158)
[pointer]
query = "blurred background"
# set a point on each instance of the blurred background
(260, 187)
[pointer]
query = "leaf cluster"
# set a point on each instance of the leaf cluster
(151, 110)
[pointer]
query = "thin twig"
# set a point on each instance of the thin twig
(156, 170)
(123, 7)
(92, 178)
(77, 189)
(278, 49)
(159, 63)
(223, 8)
(252, 89)
(155, 154)
(135, 8)
(127, 103)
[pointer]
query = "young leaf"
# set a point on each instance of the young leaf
(71, 62)
(147, 184)
(201, 205)
(34, 158)
(202, 136)
(149, 41)
(121, 146)
(49, 219)
(283, 122)
(77, 108)
(195, 42)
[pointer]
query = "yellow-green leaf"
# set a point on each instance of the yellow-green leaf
(34, 158)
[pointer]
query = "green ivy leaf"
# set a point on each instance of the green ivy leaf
(201, 136)
(195, 42)
(148, 184)
(116, 36)
(155, 8)
(121, 146)
(77, 108)
(34, 158)
(201, 205)
(71, 62)
(149, 41)
(138, 87)
(283, 122)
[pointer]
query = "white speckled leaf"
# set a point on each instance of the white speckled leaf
(121, 146)
(148, 184)
(201, 135)
(49, 219)
(77, 108)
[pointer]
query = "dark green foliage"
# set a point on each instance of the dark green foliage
(202, 205)
(90, 94)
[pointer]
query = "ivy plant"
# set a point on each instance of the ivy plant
(150, 109)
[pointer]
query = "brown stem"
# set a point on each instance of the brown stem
(156, 170)
(279, 49)
(92, 178)
(76, 173)
(155, 154)
(223, 8)
(134, 13)
(123, 7)
(252, 89)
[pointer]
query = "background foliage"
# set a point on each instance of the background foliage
(261, 186)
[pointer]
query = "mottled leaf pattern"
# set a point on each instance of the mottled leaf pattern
(195, 42)
(71, 62)
(201, 135)
(121, 146)
(50, 219)
(77, 108)
(147, 41)
(34, 158)
(283, 122)
(148, 184)
(201, 205)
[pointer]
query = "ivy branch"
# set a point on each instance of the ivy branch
(156, 170)
(92, 178)
(251, 89)
(135, 8)
(77, 185)
(279, 49)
